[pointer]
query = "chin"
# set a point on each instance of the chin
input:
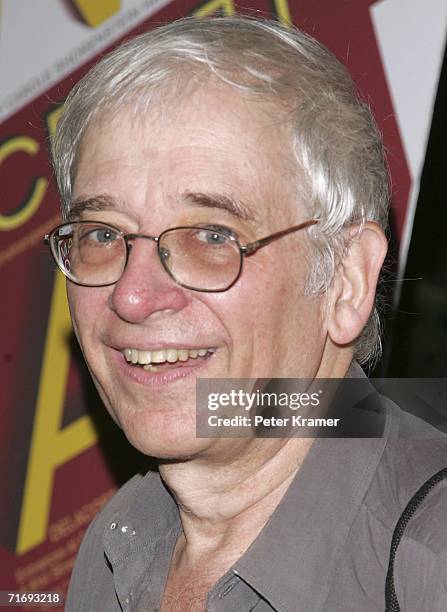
(164, 435)
(168, 450)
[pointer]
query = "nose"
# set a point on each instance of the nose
(145, 288)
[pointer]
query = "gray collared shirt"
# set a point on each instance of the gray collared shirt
(325, 548)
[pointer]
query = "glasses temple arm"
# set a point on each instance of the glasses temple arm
(252, 247)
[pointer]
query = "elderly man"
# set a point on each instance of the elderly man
(225, 199)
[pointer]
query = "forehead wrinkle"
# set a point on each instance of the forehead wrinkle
(230, 204)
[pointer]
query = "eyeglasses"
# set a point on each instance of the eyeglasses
(208, 258)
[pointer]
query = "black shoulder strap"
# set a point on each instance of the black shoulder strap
(391, 603)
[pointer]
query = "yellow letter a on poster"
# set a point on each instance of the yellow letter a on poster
(51, 446)
(282, 11)
(214, 6)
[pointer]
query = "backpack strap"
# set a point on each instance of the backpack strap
(391, 603)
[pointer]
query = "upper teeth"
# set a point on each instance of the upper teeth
(171, 355)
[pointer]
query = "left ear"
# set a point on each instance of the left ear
(352, 293)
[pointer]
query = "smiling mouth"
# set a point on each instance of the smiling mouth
(161, 359)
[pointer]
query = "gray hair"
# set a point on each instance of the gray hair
(341, 172)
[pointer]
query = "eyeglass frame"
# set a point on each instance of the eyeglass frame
(244, 250)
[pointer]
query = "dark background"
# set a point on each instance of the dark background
(415, 333)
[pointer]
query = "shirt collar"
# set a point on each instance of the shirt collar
(143, 519)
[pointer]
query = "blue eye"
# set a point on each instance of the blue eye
(211, 237)
(215, 235)
(103, 235)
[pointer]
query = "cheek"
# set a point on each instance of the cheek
(272, 308)
(86, 306)
(253, 311)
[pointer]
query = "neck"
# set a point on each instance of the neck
(227, 495)
(226, 499)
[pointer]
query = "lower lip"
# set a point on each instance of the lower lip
(163, 378)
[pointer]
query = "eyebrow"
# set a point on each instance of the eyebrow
(234, 206)
(102, 202)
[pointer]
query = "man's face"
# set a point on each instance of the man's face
(182, 167)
